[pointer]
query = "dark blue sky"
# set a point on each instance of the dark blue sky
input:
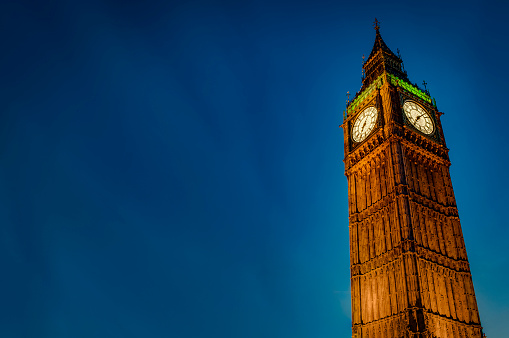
(174, 169)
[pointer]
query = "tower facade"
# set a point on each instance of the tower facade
(410, 275)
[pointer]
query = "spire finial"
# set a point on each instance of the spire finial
(376, 25)
(424, 83)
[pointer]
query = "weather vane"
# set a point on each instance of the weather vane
(377, 26)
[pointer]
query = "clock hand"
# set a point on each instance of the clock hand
(365, 121)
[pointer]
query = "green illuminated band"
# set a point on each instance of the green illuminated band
(394, 81)
(366, 93)
(409, 88)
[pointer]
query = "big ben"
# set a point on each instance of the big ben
(410, 275)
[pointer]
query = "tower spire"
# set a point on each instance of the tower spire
(381, 59)
(379, 42)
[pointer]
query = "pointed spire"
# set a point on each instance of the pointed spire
(379, 42)
(380, 60)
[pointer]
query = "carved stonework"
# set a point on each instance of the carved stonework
(410, 275)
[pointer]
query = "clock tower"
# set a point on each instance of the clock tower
(410, 275)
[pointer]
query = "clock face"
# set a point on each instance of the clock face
(364, 124)
(418, 117)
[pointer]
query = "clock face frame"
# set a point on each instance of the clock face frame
(418, 117)
(364, 124)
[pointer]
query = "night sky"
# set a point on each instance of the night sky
(174, 169)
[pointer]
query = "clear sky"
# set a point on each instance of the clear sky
(174, 169)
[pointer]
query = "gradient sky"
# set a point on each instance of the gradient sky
(174, 169)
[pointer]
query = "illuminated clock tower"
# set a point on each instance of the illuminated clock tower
(410, 275)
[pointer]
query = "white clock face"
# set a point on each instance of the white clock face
(364, 124)
(418, 117)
